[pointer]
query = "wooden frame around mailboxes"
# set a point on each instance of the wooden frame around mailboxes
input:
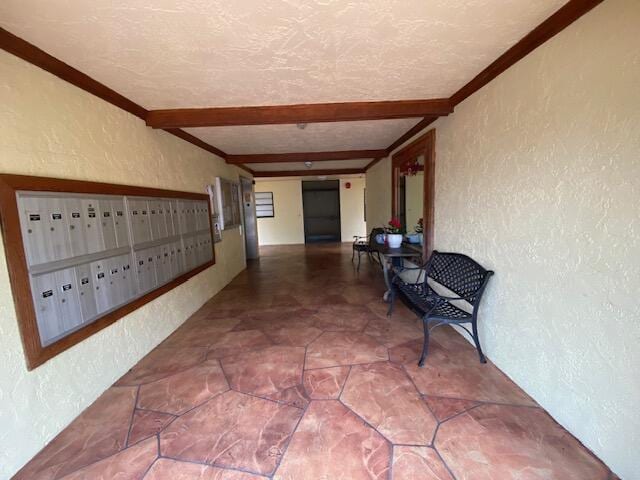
(35, 353)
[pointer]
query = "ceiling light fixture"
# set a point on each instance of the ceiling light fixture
(308, 164)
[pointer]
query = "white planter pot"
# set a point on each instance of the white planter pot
(394, 240)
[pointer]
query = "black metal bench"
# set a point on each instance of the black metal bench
(457, 273)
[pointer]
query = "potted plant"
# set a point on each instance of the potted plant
(394, 233)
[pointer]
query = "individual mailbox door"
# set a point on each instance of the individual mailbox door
(85, 283)
(114, 272)
(58, 228)
(168, 207)
(101, 285)
(189, 253)
(203, 216)
(77, 239)
(107, 224)
(154, 219)
(92, 225)
(35, 226)
(69, 300)
(161, 265)
(120, 222)
(45, 301)
(208, 248)
(168, 263)
(179, 257)
(127, 284)
(139, 219)
(145, 271)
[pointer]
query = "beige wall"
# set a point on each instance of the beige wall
(538, 178)
(287, 225)
(352, 208)
(51, 128)
(379, 194)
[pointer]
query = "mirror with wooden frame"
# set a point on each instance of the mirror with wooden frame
(412, 189)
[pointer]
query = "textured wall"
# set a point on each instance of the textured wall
(352, 208)
(51, 128)
(379, 194)
(287, 224)
(538, 177)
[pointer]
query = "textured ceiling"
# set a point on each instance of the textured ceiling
(190, 53)
(208, 53)
(316, 137)
(324, 165)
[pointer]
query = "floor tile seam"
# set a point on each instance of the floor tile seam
(258, 349)
(346, 365)
(205, 359)
(290, 439)
(278, 402)
(58, 477)
(150, 466)
(213, 464)
(375, 429)
(446, 465)
(133, 414)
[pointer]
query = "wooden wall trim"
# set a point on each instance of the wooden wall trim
(304, 156)
(306, 173)
(35, 353)
(302, 113)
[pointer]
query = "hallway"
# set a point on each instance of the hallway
(295, 372)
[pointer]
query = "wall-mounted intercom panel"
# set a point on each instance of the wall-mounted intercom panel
(88, 255)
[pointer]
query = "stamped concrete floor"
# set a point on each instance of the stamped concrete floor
(294, 372)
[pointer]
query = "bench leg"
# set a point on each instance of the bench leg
(359, 255)
(391, 298)
(476, 339)
(425, 344)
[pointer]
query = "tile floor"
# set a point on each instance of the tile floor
(294, 372)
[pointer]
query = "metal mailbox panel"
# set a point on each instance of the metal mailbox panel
(77, 238)
(161, 266)
(180, 268)
(35, 227)
(85, 283)
(92, 225)
(120, 222)
(45, 302)
(107, 224)
(69, 306)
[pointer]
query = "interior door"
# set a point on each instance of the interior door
(321, 207)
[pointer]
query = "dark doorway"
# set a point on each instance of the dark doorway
(321, 207)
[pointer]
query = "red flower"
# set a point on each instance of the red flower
(395, 223)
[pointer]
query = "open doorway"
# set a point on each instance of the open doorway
(321, 210)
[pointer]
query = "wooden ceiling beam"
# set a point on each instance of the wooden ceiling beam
(304, 156)
(306, 173)
(290, 114)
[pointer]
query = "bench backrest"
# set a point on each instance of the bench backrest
(459, 273)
